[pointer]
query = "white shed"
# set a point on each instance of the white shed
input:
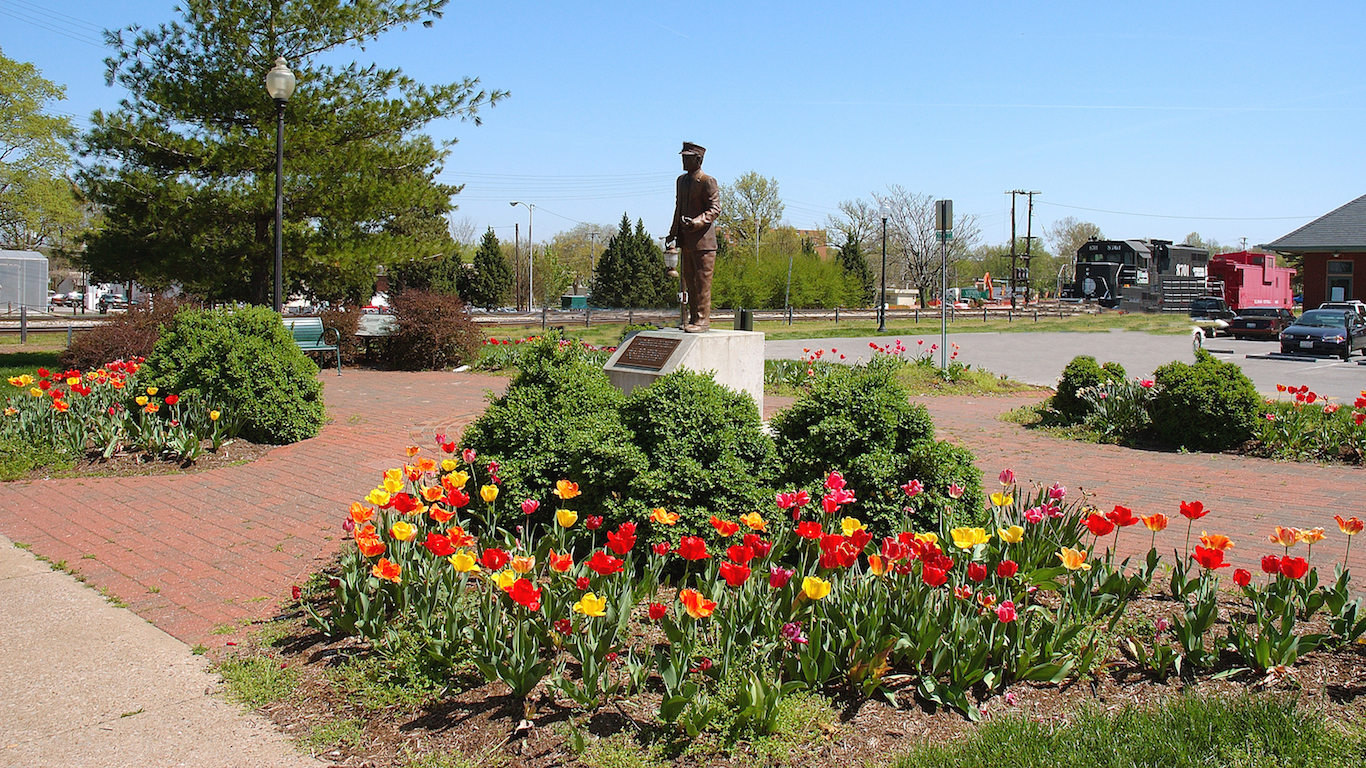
(23, 280)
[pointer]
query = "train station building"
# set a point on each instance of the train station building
(1333, 248)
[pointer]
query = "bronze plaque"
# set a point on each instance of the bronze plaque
(650, 352)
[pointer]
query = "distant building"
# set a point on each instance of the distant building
(818, 241)
(23, 281)
(1333, 248)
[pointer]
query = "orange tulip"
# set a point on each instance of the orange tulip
(370, 546)
(726, 528)
(1215, 541)
(459, 538)
(522, 564)
(360, 513)
(663, 516)
(754, 520)
(1286, 537)
(1351, 526)
(566, 490)
(387, 570)
(426, 465)
(1155, 522)
(876, 565)
(560, 563)
(441, 514)
(412, 450)
(695, 604)
(1313, 536)
(433, 492)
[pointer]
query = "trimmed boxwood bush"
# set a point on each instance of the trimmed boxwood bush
(858, 420)
(247, 360)
(706, 448)
(558, 420)
(1209, 406)
(1079, 374)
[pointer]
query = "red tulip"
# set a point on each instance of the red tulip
(1099, 525)
(604, 564)
(658, 611)
(1294, 567)
(662, 548)
(1242, 577)
(934, 577)
(1007, 568)
(692, 548)
(778, 577)
(1193, 510)
(622, 539)
(439, 545)
(740, 555)
(494, 559)
(977, 572)
(808, 529)
(1121, 516)
(735, 575)
(1210, 558)
(1271, 564)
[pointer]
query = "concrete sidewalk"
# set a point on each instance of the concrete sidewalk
(83, 683)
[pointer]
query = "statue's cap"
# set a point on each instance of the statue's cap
(690, 148)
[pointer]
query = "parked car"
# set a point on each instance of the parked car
(1335, 331)
(1357, 306)
(1211, 314)
(1261, 323)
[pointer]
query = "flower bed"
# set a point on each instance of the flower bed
(105, 411)
(801, 597)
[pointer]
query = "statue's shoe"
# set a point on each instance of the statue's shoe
(696, 328)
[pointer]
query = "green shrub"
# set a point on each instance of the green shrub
(859, 421)
(434, 332)
(1081, 373)
(706, 448)
(558, 420)
(1209, 406)
(246, 360)
(347, 321)
(628, 330)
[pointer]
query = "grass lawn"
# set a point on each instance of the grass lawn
(608, 334)
(16, 360)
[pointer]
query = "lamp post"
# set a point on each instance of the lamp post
(882, 303)
(530, 254)
(280, 86)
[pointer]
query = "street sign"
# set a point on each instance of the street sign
(944, 236)
(1021, 274)
(943, 218)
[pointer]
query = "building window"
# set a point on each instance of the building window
(1339, 267)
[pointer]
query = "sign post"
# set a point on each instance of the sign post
(943, 225)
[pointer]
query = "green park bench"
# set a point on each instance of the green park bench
(310, 335)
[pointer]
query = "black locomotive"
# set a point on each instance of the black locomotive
(1140, 275)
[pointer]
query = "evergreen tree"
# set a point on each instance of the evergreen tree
(855, 266)
(490, 282)
(183, 169)
(631, 271)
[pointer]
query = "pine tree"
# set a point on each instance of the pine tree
(490, 282)
(631, 271)
(856, 268)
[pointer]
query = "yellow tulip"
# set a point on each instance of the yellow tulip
(72, 381)
(1073, 559)
(754, 520)
(379, 497)
(591, 605)
(815, 588)
(1002, 499)
(851, 524)
(140, 399)
(213, 415)
(1011, 535)
(151, 390)
(927, 538)
(448, 464)
(458, 479)
(566, 517)
(488, 493)
(505, 579)
(522, 564)
(35, 392)
(967, 538)
(393, 474)
(464, 562)
(403, 531)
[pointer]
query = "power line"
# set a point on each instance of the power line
(57, 16)
(45, 26)
(1164, 216)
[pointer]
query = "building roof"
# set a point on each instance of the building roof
(1341, 230)
(22, 256)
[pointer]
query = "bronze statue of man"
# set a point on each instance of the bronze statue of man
(694, 230)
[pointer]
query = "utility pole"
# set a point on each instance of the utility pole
(1013, 193)
(1029, 242)
(517, 262)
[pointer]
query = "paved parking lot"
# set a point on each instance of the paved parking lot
(1038, 358)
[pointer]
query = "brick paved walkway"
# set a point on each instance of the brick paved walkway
(206, 554)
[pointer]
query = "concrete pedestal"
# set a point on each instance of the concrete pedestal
(734, 358)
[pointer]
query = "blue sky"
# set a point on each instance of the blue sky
(1231, 119)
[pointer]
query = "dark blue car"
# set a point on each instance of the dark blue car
(1332, 331)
